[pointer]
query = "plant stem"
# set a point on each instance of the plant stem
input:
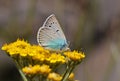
(20, 71)
(23, 76)
(68, 71)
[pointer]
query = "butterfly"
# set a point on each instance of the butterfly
(50, 35)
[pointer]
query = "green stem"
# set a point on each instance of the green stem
(20, 71)
(68, 71)
(23, 76)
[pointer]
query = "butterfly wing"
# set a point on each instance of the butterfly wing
(51, 36)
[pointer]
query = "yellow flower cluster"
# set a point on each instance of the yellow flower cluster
(36, 69)
(75, 55)
(54, 77)
(50, 58)
(24, 49)
(16, 47)
(42, 61)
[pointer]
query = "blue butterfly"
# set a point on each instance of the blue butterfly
(50, 35)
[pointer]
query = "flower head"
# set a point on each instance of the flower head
(31, 69)
(16, 47)
(36, 69)
(71, 76)
(56, 58)
(54, 77)
(44, 69)
(35, 49)
(75, 55)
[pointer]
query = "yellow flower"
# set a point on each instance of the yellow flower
(44, 69)
(36, 69)
(54, 77)
(75, 55)
(71, 76)
(35, 49)
(56, 58)
(41, 56)
(16, 47)
(30, 70)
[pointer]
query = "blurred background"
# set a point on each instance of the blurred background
(91, 26)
